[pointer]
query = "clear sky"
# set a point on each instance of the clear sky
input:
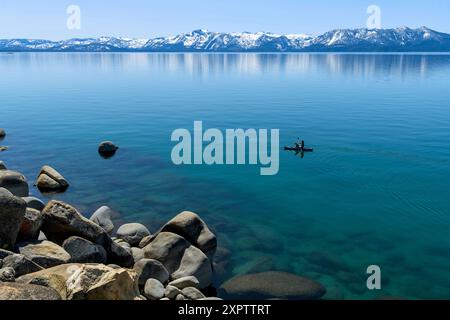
(148, 18)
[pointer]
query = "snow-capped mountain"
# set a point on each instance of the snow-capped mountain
(351, 40)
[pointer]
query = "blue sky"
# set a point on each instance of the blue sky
(147, 18)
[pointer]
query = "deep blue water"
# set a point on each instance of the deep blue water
(375, 191)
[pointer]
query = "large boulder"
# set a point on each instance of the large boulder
(50, 180)
(180, 257)
(132, 233)
(21, 291)
(84, 251)
(102, 217)
(87, 281)
(31, 225)
(12, 211)
(150, 268)
(191, 227)
(34, 203)
(20, 264)
(15, 182)
(271, 285)
(45, 253)
(62, 221)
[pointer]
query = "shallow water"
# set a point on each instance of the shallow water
(375, 191)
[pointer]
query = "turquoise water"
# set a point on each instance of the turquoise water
(375, 191)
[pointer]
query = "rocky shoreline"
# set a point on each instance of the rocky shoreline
(50, 251)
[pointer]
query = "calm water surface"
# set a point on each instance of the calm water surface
(375, 191)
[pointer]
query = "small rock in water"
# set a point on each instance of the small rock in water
(7, 274)
(102, 217)
(3, 166)
(154, 290)
(50, 180)
(2, 133)
(107, 149)
(84, 251)
(132, 233)
(34, 203)
(12, 211)
(15, 182)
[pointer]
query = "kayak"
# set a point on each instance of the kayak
(298, 149)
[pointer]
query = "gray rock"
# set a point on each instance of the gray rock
(191, 227)
(192, 293)
(1, 263)
(50, 180)
(180, 257)
(138, 254)
(271, 285)
(15, 182)
(2, 133)
(4, 253)
(145, 241)
(211, 299)
(84, 251)
(42, 236)
(45, 253)
(21, 291)
(150, 268)
(3, 166)
(164, 299)
(31, 225)
(153, 290)
(184, 282)
(12, 211)
(180, 297)
(102, 217)
(7, 274)
(132, 233)
(171, 292)
(20, 264)
(62, 221)
(34, 203)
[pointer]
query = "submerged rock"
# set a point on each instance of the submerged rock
(62, 221)
(31, 225)
(180, 257)
(45, 253)
(132, 233)
(50, 180)
(21, 291)
(12, 211)
(2, 133)
(15, 182)
(3, 166)
(191, 227)
(107, 149)
(102, 217)
(271, 285)
(84, 251)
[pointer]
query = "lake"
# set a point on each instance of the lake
(373, 192)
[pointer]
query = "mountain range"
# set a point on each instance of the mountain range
(401, 39)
